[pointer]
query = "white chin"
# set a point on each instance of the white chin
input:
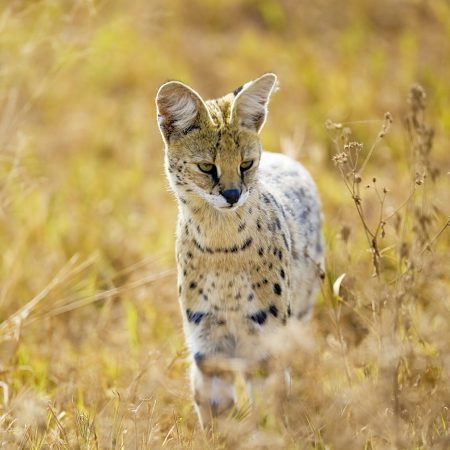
(234, 207)
(219, 203)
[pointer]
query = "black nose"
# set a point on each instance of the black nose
(231, 195)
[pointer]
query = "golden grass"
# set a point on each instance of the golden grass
(91, 348)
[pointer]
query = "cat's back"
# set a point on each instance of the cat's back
(293, 188)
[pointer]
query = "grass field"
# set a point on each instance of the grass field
(91, 346)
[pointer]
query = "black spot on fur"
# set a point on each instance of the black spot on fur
(192, 285)
(273, 310)
(198, 246)
(261, 251)
(277, 289)
(247, 243)
(189, 254)
(194, 316)
(237, 90)
(241, 227)
(250, 297)
(219, 138)
(258, 224)
(259, 317)
(282, 274)
(198, 358)
(289, 312)
(190, 128)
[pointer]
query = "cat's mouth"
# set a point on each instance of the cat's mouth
(236, 205)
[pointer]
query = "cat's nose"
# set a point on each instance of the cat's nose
(231, 195)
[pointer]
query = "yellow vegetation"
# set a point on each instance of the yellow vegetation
(91, 349)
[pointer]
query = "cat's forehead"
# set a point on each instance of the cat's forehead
(220, 110)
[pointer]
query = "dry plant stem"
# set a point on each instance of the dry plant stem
(371, 237)
(436, 237)
(109, 293)
(366, 160)
(343, 346)
(18, 318)
(59, 425)
(336, 318)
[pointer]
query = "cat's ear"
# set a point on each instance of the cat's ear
(180, 110)
(250, 104)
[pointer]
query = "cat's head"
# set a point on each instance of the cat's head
(213, 147)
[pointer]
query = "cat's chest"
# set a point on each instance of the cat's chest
(225, 286)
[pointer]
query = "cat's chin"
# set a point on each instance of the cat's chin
(230, 208)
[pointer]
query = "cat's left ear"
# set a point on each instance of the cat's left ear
(250, 104)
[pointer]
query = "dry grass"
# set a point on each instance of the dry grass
(91, 349)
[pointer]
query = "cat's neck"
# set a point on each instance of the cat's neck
(212, 227)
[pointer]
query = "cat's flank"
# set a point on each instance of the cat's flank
(249, 243)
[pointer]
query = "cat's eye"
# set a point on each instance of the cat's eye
(206, 167)
(246, 165)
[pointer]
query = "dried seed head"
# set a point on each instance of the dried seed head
(420, 178)
(340, 159)
(417, 98)
(387, 122)
(353, 146)
(330, 125)
(357, 178)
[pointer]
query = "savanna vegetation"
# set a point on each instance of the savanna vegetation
(91, 347)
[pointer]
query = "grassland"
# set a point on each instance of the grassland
(91, 347)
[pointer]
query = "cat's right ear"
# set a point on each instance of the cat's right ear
(180, 110)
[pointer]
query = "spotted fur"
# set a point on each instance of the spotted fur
(244, 269)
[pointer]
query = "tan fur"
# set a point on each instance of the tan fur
(244, 269)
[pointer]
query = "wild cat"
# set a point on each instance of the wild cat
(249, 244)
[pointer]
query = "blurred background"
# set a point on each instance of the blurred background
(91, 350)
